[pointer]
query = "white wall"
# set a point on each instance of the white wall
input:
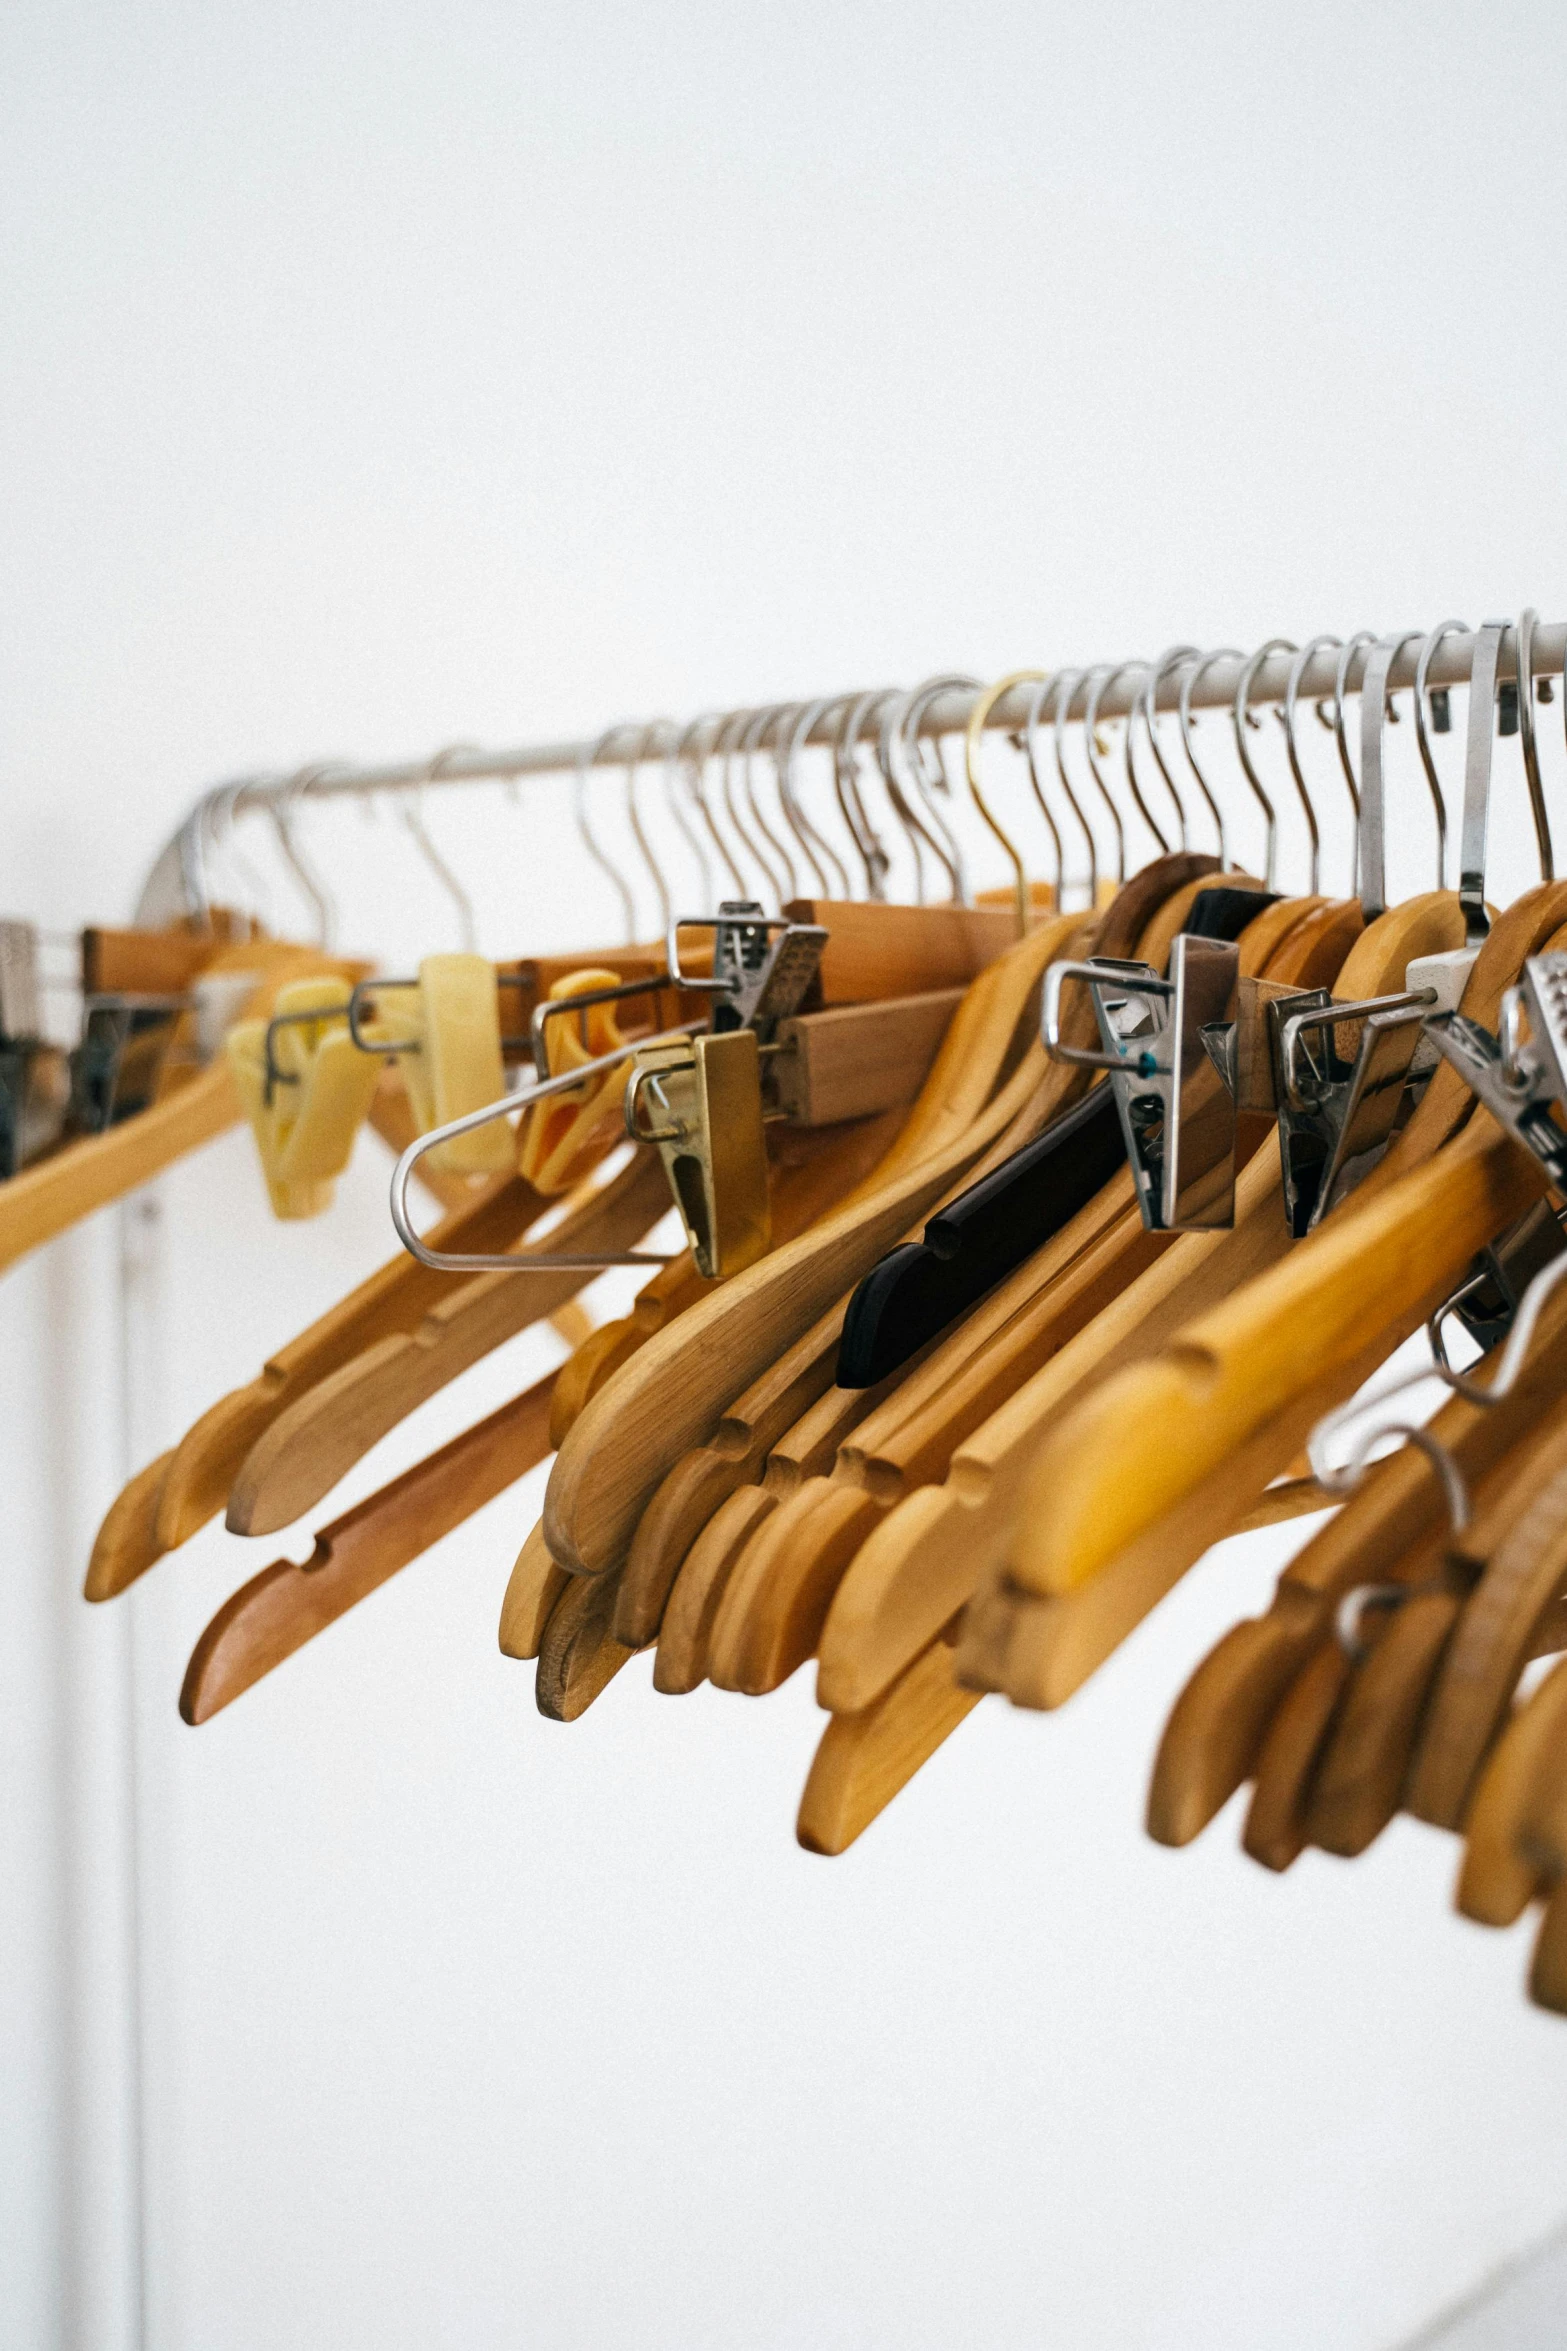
(378, 376)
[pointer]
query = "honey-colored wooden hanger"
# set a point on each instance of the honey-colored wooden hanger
(1391, 1526)
(779, 1589)
(315, 1440)
(1212, 1739)
(735, 1453)
(1507, 1861)
(87, 1174)
(286, 1605)
(671, 1395)
(930, 1555)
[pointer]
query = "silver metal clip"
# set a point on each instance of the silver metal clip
(1335, 1113)
(1177, 1113)
(1520, 1074)
(762, 964)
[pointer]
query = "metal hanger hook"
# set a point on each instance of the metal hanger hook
(973, 734)
(693, 761)
(1528, 621)
(1104, 682)
(1030, 743)
(587, 759)
(634, 761)
(413, 818)
(675, 739)
(756, 729)
(1191, 678)
(1428, 646)
(818, 851)
(1093, 683)
(1172, 658)
(1346, 660)
(870, 847)
(1297, 670)
(1243, 719)
(1066, 685)
(310, 882)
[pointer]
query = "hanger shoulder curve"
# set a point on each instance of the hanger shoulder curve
(863, 1760)
(286, 1605)
(319, 1436)
(532, 1589)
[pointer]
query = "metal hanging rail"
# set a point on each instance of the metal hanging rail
(1116, 690)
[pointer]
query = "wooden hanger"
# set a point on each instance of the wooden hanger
(1508, 1861)
(1390, 1525)
(286, 1605)
(85, 1175)
(1213, 1734)
(315, 1440)
(158, 1512)
(927, 1559)
(801, 1367)
(671, 1395)
(771, 1615)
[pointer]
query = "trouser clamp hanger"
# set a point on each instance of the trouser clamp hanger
(1521, 1074)
(1157, 1038)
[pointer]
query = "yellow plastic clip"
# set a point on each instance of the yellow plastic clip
(306, 1112)
(563, 1137)
(457, 1067)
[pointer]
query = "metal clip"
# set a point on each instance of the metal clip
(1335, 1113)
(116, 1067)
(1521, 1074)
(1177, 1113)
(759, 978)
(708, 1103)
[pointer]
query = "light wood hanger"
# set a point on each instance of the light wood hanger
(674, 1391)
(927, 1559)
(1214, 1732)
(735, 1453)
(1508, 1861)
(770, 1618)
(87, 1174)
(286, 1605)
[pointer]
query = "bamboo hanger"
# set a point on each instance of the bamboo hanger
(1511, 1853)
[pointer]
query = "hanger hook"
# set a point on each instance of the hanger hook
(315, 889)
(412, 812)
(1297, 671)
(805, 831)
(851, 800)
(1243, 719)
(222, 832)
(1090, 742)
(587, 758)
(1428, 646)
(755, 732)
(693, 762)
(1030, 741)
(928, 783)
(1350, 647)
(635, 757)
(675, 739)
(1528, 621)
(1171, 658)
(900, 721)
(727, 744)
(1191, 678)
(984, 704)
(1094, 682)
(1066, 685)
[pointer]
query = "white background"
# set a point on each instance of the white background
(375, 377)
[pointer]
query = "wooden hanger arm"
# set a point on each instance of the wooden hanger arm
(317, 1440)
(1502, 1872)
(534, 1586)
(287, 1605)
(394, 1299)
(578, 1656)
(1387, 1265)
(864, 1759)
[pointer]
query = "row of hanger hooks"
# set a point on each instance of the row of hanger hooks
(893, 789)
